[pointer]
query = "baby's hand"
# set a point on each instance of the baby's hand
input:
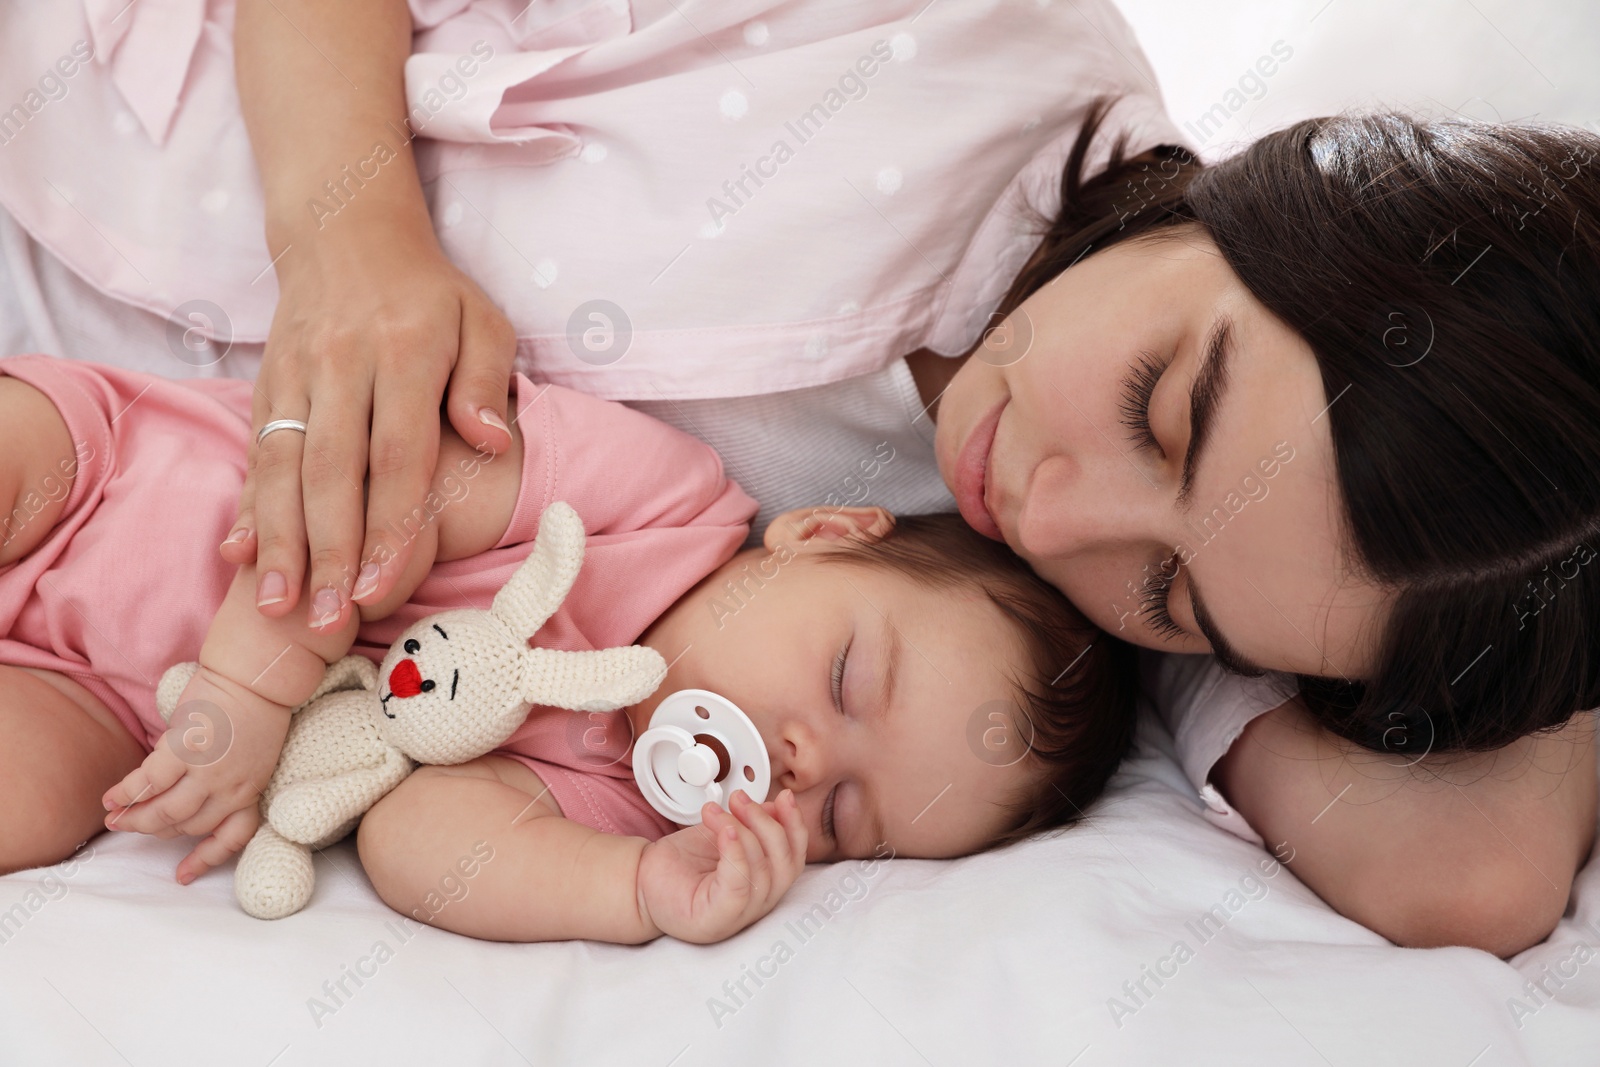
(707, 882)
(205, 773)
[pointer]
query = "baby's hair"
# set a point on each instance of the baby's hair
(1078, 688)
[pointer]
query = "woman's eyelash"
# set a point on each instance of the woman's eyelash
(827, 816)
(1153, 601)
(1137, 388)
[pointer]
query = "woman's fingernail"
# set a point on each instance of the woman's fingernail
(272, 590)
(366, 581)
(491, 417)
(238, 537)
(325, 606)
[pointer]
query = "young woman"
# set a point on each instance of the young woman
(1394, 319)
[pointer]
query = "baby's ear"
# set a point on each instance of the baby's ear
(826, 524)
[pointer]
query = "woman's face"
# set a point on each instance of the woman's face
(1155, 443)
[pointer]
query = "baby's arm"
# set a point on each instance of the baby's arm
(205, 774)
(206, 771)
(482, 850)
(1478, 849)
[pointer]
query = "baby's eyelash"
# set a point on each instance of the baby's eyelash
(1138, 386)
(837, 685)
(837, 681)
(1153, 601)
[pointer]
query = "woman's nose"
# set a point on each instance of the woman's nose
(1083, 504)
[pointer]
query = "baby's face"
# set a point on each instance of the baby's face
(866, 687)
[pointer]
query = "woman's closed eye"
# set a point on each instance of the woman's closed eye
(1138, 386)
(1154, 596)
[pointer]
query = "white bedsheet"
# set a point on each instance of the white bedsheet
(1015, 958)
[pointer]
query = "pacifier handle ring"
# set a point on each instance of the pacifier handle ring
(648, 784)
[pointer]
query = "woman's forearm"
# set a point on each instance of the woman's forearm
(321, 86)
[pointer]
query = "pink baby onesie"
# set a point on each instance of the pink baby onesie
(129, 580)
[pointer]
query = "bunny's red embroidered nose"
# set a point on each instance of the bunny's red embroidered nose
(405, 680)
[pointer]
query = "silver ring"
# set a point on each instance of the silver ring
(280, 424)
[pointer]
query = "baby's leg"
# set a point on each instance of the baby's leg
(56, 758)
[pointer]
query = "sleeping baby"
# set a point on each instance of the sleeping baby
(919, 691)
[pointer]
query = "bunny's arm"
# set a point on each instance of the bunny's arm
(308, 811)
(601, 680)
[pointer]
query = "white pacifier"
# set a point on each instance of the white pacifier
(699, 747)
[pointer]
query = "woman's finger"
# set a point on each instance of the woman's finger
(333, 467)
(276, 462)
(404, 453)
(482, 377)
(239, 546)
(280, 518)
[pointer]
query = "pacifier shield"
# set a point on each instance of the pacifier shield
(707, 735)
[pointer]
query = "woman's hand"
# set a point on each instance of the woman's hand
(373, 325)
(706, 883)
(373, 322)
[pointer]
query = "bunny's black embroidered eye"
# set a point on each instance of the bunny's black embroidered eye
(427, 685)
(413, 646)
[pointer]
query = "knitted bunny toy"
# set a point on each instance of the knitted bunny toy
(452, 688)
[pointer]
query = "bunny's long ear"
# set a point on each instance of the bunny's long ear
(536, 590)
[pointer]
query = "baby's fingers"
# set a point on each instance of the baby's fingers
(776, 838)
(735, 846)
(795, 828)
(158, 773)
(165, 816)
(229, 838)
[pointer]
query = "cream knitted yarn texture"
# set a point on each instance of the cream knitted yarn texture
(452, 688)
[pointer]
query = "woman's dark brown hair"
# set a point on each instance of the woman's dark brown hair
(1446, 274)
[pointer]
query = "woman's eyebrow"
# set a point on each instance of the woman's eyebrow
(1204, 398)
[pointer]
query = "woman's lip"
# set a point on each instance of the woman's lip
(971, 475)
